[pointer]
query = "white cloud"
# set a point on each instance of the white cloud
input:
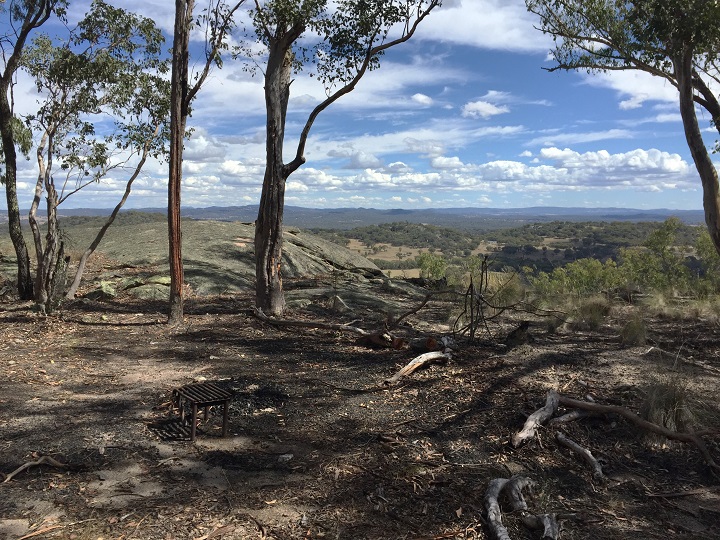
(483, 109)
(633, 87)
(422, 99)
(441, 162)
(577, 138)
(489, 24)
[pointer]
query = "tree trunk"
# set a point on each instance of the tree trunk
(24, 278)
(682, 64)
(178, 117)
(268, 228)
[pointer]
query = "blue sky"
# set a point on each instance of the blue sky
(462, 115)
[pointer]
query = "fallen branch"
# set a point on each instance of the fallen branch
(536, 419)
(424, 360)
(644, 424)
(308, 324)
(513, 489)
(492, 509)
(584, 453)
(569, 417)
(547, 522)
(43, 460)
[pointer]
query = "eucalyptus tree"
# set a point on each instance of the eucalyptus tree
(19, 18)
(109, 66)
(218, 22)
(342, 40)
(676, 40)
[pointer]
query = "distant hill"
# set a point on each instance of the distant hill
(473, 219)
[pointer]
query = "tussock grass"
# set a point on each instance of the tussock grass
(668, 402)
(590, 313)
(634, 331)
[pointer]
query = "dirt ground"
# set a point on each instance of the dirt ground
(318, 446)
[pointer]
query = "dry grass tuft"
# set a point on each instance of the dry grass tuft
(634, 332)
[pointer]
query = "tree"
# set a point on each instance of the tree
(23, 17)
(218, 21)
(109, 66)
(677, 40)
(353, 34)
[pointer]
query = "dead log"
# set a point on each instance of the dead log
(513, 489)
(547, 522)
(419, 362)
(584, 453)
(492, 509)
(692, 438)
(536, 419)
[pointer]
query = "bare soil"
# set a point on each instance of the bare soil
(319, 447)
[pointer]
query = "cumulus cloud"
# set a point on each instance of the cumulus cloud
(422, 99)
(442, 162)
(483, 109)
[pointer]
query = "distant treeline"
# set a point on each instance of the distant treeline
(542, 245)
(413, 235)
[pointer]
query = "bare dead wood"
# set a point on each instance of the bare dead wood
(492, 508)
(536, 419)
(573, 415)
(308, 324)
(42, 461)
(513, 489)
(424, 360)
(547, 522)
(692, 438)
(584, 453)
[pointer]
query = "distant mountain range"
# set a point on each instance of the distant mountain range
(459, 218)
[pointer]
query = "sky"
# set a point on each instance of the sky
(462, 115)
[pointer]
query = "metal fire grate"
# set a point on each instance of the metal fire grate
(201, 395)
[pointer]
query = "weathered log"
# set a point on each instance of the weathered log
(536, 419)
(584, 453)
(492, 509)
(424, 360)
(644, 424)
(513, 488)
(547, 522)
